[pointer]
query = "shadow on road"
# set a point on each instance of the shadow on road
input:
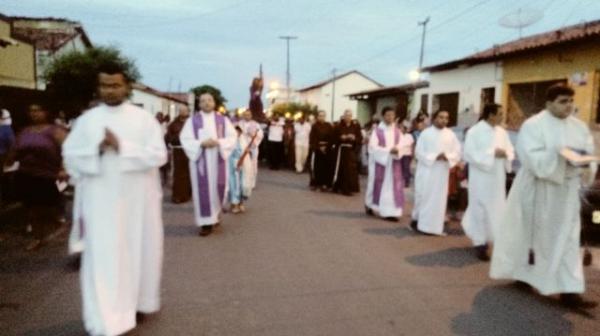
(181, 230)
(70, 328)
(506, 310)
(287, 184)
(397, 232)
(181, 207)
(31, 263)
(338, 214)
(456, 257)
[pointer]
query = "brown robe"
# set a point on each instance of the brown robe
(321, 141)
(182, 187)
(345, 175)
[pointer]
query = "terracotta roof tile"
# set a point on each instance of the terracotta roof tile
(555, 37)
(44, 39)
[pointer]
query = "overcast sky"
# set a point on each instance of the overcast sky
(184, 43)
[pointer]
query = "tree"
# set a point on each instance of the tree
(216, 93)
(292, 108)
(72, 77)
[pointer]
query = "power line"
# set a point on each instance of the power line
(394, 47)
(182, 19)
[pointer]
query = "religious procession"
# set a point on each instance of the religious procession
(465, 201)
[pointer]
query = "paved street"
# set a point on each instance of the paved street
(298, 263)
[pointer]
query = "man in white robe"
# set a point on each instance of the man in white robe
(301, 143)
(207, 139)
(249, 128)
(489, 154)
(114, 152)
(385, 185)
(537, 241)
(436, 152)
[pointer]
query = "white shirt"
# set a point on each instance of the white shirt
(276, 131)
(301, 134)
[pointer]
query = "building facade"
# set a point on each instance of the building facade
(333, 95)
(17, 59)
(460, 89)
(370, 103)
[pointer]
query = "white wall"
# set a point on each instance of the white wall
(155, 104)
(343, 86)
(147, 101)
(468, 82)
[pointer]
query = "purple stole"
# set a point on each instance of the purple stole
(201, 169)
(396, 172)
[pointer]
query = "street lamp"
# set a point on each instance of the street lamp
(414, 75)
(287, 77)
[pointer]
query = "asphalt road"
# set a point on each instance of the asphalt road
(297, 263)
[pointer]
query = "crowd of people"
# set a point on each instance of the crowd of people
(116, 154)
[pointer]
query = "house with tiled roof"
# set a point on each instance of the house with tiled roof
(371, 102)
(154, 101)
(17, 58)
(51, 38)
(521, 71)
(337, 90)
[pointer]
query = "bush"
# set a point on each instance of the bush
(293, 108)
(72, 77)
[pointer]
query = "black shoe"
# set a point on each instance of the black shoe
(206, 230)
(576, 301)
(368, 211)
(482, 252)
(140, 317)
(414, 225)
(522, 285)
(75, 263)
(391, 219)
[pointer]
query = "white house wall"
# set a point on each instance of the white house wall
(343, 87)
(468, 82)
(147, 101)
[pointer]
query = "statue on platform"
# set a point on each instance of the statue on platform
(256, 105)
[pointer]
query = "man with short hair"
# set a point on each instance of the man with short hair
(276, 149)
(7, 141)
(347, 137)
(436, 152)
(208, 139)
(114, 152)
(181, 185)
(253, 134)
(385, 187)
(301, 143)
(537, 242)
(321, 139)
(489, 153)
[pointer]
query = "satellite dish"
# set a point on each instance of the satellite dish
(521, 18)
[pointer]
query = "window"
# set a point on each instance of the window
(424, 103)
(448, 102)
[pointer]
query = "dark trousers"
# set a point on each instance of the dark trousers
(322, 169)
(276, 154)
(406, 174)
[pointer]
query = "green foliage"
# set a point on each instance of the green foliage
(293, 108)
(72, 77)
(216, 93)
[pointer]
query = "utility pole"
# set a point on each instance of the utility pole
(287, 39)
(332, 93)
(424, 24)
